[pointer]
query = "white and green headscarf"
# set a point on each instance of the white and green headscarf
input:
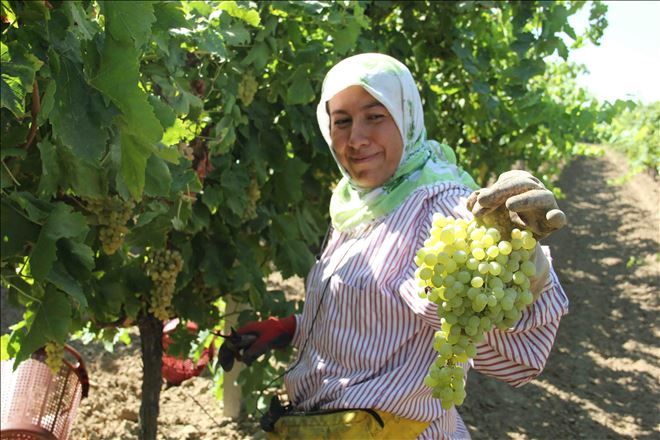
(423, 162)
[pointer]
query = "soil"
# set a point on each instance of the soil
(602, 378)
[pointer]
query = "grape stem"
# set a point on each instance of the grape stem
(36, 108)
(10, 174)
(4, 280)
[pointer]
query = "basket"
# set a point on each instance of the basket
(40, 405)
(176, 369)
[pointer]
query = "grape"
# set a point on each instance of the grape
(112, 214)
(54, 356)
(163, 267)
(479, 278)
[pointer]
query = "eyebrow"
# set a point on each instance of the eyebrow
(364, 107)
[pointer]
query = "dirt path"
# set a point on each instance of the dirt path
(602, 379)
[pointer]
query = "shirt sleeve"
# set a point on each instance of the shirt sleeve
(517, 355)
(297, 333)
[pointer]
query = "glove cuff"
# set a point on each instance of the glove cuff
(288, 324)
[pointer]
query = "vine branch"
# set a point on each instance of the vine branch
(36, 108)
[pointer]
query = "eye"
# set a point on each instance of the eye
(341, 122)
(375, 117)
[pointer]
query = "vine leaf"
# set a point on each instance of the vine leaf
(50, 321)
(158, 177)
(129, 22)
(300, 91)
(129, 26)
(73, 123)
(18, 69)
(62, 223)
(61, 278)
(16, 232)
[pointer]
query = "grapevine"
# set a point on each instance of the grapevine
(112, 214)
(479, 279)
(54, 356)
(163, 267)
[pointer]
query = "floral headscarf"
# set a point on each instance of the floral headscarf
(423, 162)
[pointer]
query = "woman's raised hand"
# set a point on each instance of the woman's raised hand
(522, 199)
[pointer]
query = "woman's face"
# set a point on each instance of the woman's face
(366, 140)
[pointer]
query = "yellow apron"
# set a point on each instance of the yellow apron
(346, 424)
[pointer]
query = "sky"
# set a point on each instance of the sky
(626, 65)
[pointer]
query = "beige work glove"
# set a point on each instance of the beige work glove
(521, 199)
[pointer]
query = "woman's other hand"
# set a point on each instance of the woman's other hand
(256, 338)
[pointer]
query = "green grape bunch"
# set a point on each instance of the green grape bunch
(247, 88)
(479, 277)
(253, 196)
(162, 267)
(186, 151)
(112, 214)
(54, 356)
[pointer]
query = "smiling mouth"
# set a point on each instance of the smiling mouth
(362, 159)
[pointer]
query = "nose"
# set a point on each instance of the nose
(359, 136)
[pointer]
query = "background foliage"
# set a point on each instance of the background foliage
(203, 115)
(635, 131)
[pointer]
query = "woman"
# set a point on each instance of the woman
(365, 337)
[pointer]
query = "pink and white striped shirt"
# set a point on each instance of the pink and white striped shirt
(371, 343)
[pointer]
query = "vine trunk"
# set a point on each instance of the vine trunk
(151, 333)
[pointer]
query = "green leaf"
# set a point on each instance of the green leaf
(212, 197)
(51, 175)
(129, 22)
(47, 103)
(170, 16)
(250, 16)
(236, 34)
(61, 278)
(61, 168)
(18, 69)
(150, 233)
(51, 322)
(8, 13)
(72, 117)
(83, 27)
(158, 179)
(118, 78)
(16, 231)
(134, 157)
(163, 112)
(62, 223)
(345, 38)
(36, 210)
(77, 257)
(8, 348)
(13, 152)
(526, 70)
(212, 43)
(234, 182)
(257, 56)
(300, 90)
(294, 258)
(287, 183)
(212, 269)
